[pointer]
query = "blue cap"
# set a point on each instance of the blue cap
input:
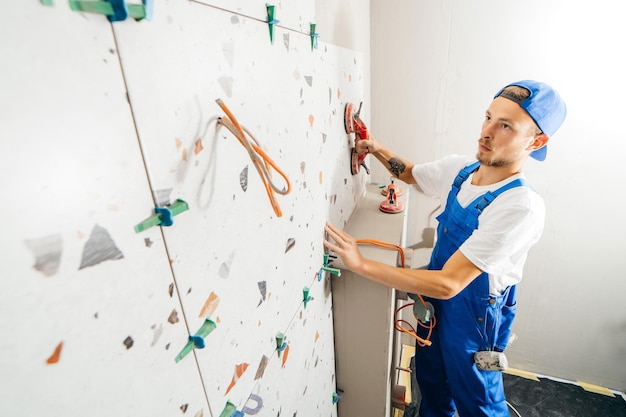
(544, 105)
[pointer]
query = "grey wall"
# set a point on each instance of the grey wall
(435, 67)
(346, 23)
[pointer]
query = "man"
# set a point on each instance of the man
(490, 219)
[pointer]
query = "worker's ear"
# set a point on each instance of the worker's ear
(539, 141)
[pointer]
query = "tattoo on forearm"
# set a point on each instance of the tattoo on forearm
(396, 166)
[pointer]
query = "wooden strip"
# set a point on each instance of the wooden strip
(522, 374)
(596, 389)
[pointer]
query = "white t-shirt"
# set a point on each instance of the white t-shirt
(507, 228)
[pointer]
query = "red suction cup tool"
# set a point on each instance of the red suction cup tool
(399, 190)
(348, 118)
(355, 162)
(391, 204)
(353, 124)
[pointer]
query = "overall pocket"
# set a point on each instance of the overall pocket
(507, 315)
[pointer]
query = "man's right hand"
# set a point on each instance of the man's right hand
(367, 146)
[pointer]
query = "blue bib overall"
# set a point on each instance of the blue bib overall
(471, 321)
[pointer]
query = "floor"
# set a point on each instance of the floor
(548, 398)
(543, 398)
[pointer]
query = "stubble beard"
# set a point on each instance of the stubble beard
(496, 163)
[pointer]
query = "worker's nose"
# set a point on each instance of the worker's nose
(486, 130)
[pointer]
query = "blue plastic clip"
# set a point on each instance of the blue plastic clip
(271, 21)
(115, 10)
(281, 345)
(148, 6)
(313, 36)
(120, 11)
(163, 216)
(326, 268)
(167, 218)
(198, 341)
(306, 297)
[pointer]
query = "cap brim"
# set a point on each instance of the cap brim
(540, 154)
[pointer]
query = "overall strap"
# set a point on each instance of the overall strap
(483, 201)
(463, 175)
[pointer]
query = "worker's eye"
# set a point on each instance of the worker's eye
(505, 126)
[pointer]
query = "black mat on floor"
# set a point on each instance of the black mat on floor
(549, 398)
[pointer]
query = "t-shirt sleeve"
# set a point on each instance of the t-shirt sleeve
(434, 179)
(506, 231)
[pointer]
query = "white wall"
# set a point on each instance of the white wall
(435, 67)
(97, 122)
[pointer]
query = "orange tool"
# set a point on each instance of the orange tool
(391, 204)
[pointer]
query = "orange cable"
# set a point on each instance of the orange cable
(254, 151)
(412, 331)
(384, 245)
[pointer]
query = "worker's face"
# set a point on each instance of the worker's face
(508, 134)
